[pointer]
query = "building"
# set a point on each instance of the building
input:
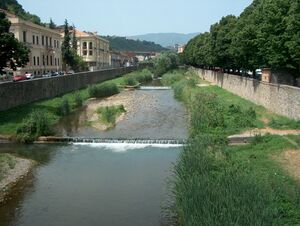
(93, 49)
(44, 44)
(180, 48)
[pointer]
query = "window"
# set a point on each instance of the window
(50, 41)
(47, 60)
(55, 61)
(84, 52)
(90, 45)
(46, 41)
(54, 43)
(37, 40)
(91, 53)
(84, 45)
(38, 61)
(43, 40)
(24, 36)
(33, 39)
(43, 60)
(34, 63)
(51, 61)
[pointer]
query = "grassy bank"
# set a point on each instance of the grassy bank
(109, 114)
(55, 108)
(217, 184)
(6, 162)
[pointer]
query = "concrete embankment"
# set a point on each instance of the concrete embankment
(24, 92)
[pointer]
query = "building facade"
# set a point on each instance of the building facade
(93, 49)
(44, 44)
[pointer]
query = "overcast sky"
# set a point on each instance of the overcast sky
(134, 17)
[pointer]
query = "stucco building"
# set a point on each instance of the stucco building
(93, 49)
(43, 42)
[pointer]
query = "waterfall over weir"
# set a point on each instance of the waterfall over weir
(75, 140)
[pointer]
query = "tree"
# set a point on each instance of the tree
(66, 47)
(13, 54)
(165, 62)
(74, 39)
(52, 25)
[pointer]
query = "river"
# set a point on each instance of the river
(102, 184)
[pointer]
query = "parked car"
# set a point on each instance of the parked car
(71, 72)
(46, 75)
(17, 78)
(54, 73)
(29, 76)
(61, 73)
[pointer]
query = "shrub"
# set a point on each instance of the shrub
(108, 114)
(78, 100)
(35, 125)
(130, 81)
(63, 107)
(103, 90)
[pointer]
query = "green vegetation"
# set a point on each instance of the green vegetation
(137, 77)
(55, 108)
(12, 52)
(266, 34)
(6, 162)
(14, 7)
(124, 44)
(165, 62)
(109, 114)
(35, 125)
(216, 184)
(103, 90)
(69, 53)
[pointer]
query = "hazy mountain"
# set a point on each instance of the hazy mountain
(165, 39)
(124, 44)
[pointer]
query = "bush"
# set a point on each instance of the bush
(138, 77)
(63, 108)
(35, 125)
(130, 81)
(170, 78)
(78, 100)
(103, 90)
(165, 62)
(108, 114)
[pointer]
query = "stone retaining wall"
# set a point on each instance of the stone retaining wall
(281, 99)
(13, 94)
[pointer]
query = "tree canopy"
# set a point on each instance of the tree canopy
(13, 53)
(266, 34)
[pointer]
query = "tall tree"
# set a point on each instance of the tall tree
(74, 39)
(13, 54)
(66, 47)
(52, 25)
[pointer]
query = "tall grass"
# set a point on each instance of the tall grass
(35, 125)
(109, 114)
(214, 185)
(136, 77)
(103, 90)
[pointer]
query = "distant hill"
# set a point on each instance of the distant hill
(165, 39)
(124, 44)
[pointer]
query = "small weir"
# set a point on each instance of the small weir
(155, 88)
(110, 141)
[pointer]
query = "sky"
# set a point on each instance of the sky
(136, 17)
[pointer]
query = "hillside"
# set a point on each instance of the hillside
(165, 39)
(124, 44)
(14, 7)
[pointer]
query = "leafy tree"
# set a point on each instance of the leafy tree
(12, 53)
(165, 62)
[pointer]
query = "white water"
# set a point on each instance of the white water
(123, 147)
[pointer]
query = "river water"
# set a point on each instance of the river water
(101, 184)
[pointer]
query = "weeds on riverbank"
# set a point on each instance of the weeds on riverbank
(219, 185)
(6, 162)
(35, 125)
(137, 77)
(109, 114)
(103, 90)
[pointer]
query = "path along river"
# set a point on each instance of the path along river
(101, 184)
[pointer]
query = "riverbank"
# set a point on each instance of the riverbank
(217, 184)
(12, 169)
(10, 120)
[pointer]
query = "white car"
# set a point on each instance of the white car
(29, 76)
